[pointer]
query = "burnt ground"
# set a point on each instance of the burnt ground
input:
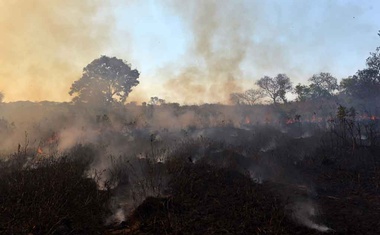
(268, 183)
(205, 199)
(349, 199)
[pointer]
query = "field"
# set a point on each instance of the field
(208, 169)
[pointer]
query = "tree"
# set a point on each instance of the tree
(373, 62)
(348, 86)
(105, 81)
(303, 92)
(323, 85)
(156, 101)
(249, 97)
(275, 88)
(366, 82)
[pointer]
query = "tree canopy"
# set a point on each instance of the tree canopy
(106, 80)
(249, 97)
(303, 92)
(275, 88)
(323, 85)
(366, 82)
(156, 101)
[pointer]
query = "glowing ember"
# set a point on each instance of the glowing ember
(247, 120)
(53, 139)
(290, 121)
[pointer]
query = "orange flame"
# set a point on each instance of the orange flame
(52, 139)
(290, 121)
(247, 120)
(39, 150)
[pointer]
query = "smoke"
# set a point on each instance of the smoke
(304, 212)
(45, 44)
(234, 43)
(264, 151)
(221, 32)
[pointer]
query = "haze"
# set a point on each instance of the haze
(193, 52)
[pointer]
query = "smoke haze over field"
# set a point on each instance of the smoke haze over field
(193, 52)
(186, 146)
(45, 44)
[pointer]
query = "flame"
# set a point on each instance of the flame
(366, 117)
(247, 120)
(39, 150)
(290, 121)
(53, 139)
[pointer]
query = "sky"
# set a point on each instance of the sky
(186, 51)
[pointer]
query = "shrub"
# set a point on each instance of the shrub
(51, 196)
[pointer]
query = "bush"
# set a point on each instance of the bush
(50, 197)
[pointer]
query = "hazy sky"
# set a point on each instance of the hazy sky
(187, 51)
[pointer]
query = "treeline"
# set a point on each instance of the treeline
(363, 86)
(108, 81)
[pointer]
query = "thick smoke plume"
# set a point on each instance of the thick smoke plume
(234, 43)
(221, 33)
(45, 44)
(230, 44)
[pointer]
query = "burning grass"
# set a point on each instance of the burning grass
(219, 180)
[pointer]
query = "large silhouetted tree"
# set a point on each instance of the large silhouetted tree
(106, 80)
(323, 85)
(275, 88)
